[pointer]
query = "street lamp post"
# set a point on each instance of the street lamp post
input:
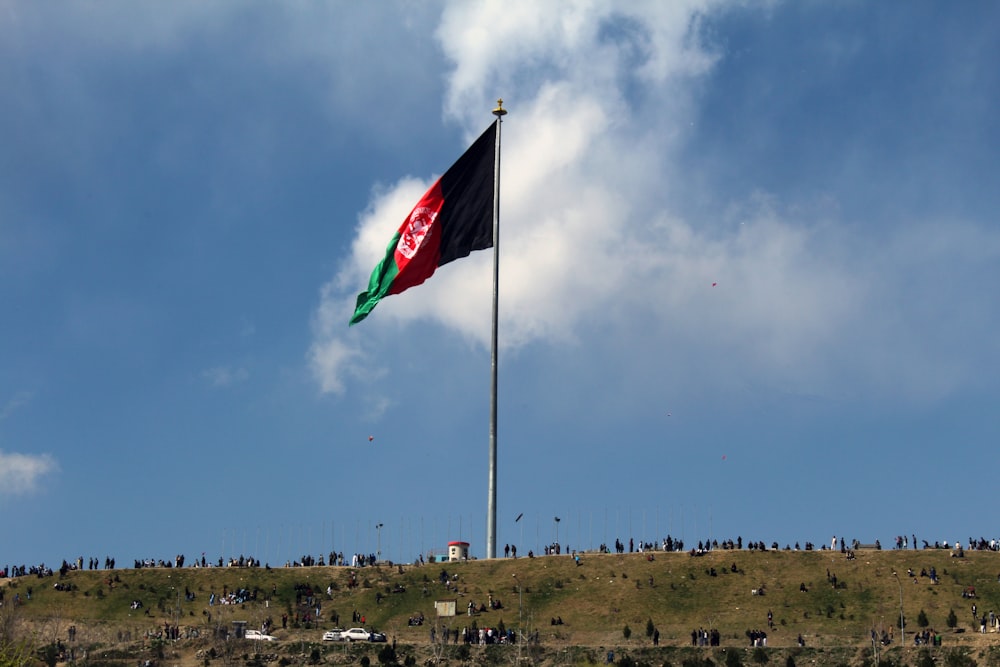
(378, 547)
(902, 631)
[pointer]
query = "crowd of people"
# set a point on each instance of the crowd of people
(476, 636)
(703, 637)
(359, 560)
(237, 596)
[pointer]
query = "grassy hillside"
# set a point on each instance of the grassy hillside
(595, 599)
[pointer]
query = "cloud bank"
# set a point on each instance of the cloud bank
(598, 251)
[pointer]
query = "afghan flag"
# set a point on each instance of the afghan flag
(451, 220)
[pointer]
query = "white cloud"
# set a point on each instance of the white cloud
(330, 360)
(557, 214)
(330, 356)
(590, 241)
(21, 473)
(519, 47)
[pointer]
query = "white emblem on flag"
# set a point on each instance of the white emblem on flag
(416, 229)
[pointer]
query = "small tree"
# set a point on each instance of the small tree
(49, 654)
(650, 628)
(387, 655)
(952, 619)
(925, 659)
(789, 661)
(733, 658)
(922, 619)
(760, 656)
(16, 649)
(627, 631)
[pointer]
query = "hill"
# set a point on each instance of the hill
(831, 601)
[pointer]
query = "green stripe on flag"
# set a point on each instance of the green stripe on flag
(379, 284)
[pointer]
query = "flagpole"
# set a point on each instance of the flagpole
(491, 511)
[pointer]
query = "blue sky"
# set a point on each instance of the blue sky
(749, 259)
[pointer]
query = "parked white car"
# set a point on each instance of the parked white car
(257, 635)
(335, 635)
(355, 635)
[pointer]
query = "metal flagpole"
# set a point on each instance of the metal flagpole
(491, 510)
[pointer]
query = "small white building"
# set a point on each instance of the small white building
(458, 551)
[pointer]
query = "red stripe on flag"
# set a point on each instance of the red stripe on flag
(418, 250)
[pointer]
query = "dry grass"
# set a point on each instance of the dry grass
(595, 599)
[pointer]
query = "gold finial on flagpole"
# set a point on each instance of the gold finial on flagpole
(499, 111)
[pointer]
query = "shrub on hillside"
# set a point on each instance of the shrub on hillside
(958, 658)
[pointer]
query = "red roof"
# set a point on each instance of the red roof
(458, 544)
